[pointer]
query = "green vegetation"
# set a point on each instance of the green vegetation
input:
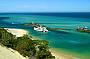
(34, 49)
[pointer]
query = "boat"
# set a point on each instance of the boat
(40, 28)
(85, 29)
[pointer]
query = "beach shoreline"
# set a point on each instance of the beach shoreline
(60, 55)
(53, 51)
(8, 53)
(17, 32)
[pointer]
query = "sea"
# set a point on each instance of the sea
(68, 41)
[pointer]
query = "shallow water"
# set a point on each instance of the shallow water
(70, 41)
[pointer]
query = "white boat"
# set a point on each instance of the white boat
(41, 29)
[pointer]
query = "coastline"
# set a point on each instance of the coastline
(61, 55)
(17, 32)
(8, 53)
(53, 51)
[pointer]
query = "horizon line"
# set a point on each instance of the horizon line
(44, 12)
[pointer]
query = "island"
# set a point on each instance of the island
(84, 29)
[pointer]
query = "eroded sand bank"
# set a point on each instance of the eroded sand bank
(7, 53)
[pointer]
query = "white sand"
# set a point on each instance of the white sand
(9, 54)
(61, 55)
(17, 32)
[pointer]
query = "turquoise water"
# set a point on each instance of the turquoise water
(70, 40)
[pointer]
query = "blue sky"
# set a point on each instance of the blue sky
(44, 5)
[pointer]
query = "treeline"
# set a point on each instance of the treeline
(34, 49)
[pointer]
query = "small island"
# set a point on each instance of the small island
(84, 29)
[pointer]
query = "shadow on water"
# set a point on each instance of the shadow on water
(1, 18)
(4, 24)
(62, 32)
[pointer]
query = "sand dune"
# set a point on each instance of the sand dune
(7, 53)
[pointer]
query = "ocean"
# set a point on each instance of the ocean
(68, 41)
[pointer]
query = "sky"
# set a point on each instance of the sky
(44, 5)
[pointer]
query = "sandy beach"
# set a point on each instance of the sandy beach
(17, 32)
(60, 55)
